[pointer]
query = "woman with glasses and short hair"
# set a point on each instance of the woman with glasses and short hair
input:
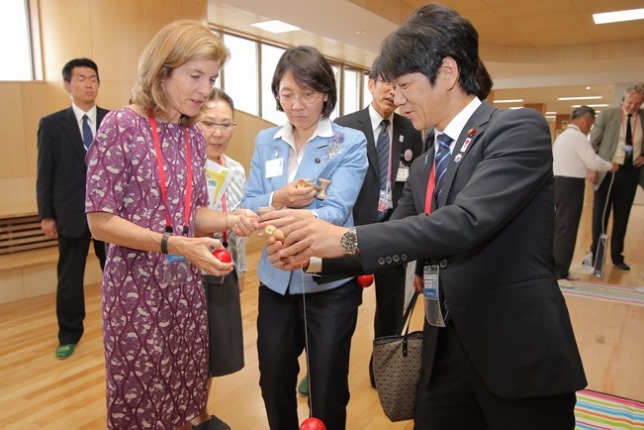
(296, 312)
(225, 334)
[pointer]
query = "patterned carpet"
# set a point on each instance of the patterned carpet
(597, 411)
(602, 291)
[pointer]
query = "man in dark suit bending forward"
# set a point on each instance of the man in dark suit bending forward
(500, 352)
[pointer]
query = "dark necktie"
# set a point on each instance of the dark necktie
(87, 133)
(441, 162)
(628, 140)
(382, 149)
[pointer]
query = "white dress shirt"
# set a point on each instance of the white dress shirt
(574, 156)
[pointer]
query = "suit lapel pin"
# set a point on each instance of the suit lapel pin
(458, 157)
(471, 132)
(401, 138)
(465, 145)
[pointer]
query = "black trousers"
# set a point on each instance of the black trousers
(70, 295)
(330, 321)
(569, 202)
(617, 197)
(451, 395)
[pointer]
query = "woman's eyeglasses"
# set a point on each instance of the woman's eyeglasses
(211, 125)
(306, 98)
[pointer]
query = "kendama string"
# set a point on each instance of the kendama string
(306, 347)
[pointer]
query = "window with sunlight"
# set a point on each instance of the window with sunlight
(270, 57)
(240, 74)
(15, 41)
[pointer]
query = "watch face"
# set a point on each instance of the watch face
(349, 242)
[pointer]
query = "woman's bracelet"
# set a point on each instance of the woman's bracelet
(164, 242)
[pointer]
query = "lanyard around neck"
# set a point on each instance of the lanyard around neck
(429, 196)
(224, 207)
(164, 192)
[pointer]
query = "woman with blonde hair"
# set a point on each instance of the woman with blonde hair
(147, 197)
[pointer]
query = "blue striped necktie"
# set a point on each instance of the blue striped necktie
(87, 133)
(382, 150)
(441, 161)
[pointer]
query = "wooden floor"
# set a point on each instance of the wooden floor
(38, 391)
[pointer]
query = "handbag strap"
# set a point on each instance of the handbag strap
(407, 321)
(408, 312)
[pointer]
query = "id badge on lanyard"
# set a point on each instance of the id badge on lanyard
(431, 295)
(175, 267)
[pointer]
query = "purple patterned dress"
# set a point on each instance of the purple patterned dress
(154, 323)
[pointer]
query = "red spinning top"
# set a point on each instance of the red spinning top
(312, 424)
(364, 280)
(222, 255)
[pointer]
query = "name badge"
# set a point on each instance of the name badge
(431, 295)
(384, 201)
(403, 173)
(274, 168)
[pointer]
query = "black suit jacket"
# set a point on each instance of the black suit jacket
(491, 233)
(61, 178)
(405, 139)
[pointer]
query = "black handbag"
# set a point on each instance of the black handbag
(396, 369)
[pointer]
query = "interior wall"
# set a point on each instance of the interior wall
(111, 32)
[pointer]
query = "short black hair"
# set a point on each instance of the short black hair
(79, 62)
(310, 69)
(484, 81)
(582, 111)
(431, 34)
(376, 69)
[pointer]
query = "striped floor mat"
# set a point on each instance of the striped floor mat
(597, 411)
(602, 291)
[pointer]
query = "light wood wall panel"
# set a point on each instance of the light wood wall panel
(111, 32)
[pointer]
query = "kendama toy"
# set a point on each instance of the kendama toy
(312, 424)
(364, 280)
(222, 255)
(271, 230)
(321, 189)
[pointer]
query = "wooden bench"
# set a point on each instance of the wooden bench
(22, 233)
(28, 258)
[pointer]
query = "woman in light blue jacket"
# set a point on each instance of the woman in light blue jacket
(307, 149)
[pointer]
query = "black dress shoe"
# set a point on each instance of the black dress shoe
(622, 266)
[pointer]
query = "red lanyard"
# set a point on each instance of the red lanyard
(164, 192)
(429, 196)
(224, 234)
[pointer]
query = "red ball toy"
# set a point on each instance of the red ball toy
(222, 255)
(312, 424)
(364, 280)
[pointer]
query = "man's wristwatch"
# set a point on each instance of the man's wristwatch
(349, 241)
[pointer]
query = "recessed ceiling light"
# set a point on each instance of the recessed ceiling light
(551, 113)
(509, 101)
(618, 16)
(593, 106)
(580, 98)
(275, 26)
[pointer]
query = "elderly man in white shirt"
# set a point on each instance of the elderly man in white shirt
(573, 158)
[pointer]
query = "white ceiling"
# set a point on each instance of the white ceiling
(534, 50)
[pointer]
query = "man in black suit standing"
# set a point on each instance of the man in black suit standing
(477, 213)
(63, 139)
(399, 143)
